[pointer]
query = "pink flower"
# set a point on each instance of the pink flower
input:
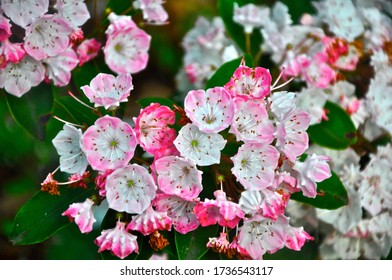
(47, 36)
(120, 242)
(152, 128)
(109, 144)
(153, 10)
(58, 68)
(149, 221)
(24, 12)
(178, 176)
(314, 169)
(251, 123)
(219, 244)
(292, 139)
(5, 28)
(130, 188)
(12, 52)
(108, 91)
(75, 12)
(296, 238)
(179, 210)
(254, 165)
(126, 45)
(220, 210)
(83, 215)
(100, 181)
(250, 83)
(211, 110)
(319, 74)
(88, 50)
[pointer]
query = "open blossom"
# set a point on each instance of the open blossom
(110, 143)
(179, 210)
(126, 45)
(220, 210)
(250, 83)
(211, 110)
(203, 148)
(117, 240)
(23, 12)
(47, 36)
(150, 221)
(178, 176)
(153, 10)
(250, 16)
(88, 50)
(108, 91)
(153, 130)
(130, 188)
(254, 165)
(74, 11)
(58, 68)
(82, 214)
(67, 143)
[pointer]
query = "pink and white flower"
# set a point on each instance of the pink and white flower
(126, 45)
(179, 210)
(5, 28)
(153, 10)
(82, 214)
(67, 144)
(281, 103)
(108, 91)
(296, 238)
(58, 68)
(130, 188)
(211, 111)
(152, 128)
(319, 74)
(75, 12)
(149, 221)
(203, 148)
(109, 144)
(117, 240)
(88, 50)
(12, 52)
(178, 176)
(23, 12)
(254, 165)
(220, 210)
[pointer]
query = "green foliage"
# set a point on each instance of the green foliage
(40, 217)
(338, 132)
(146, 101)
(331, 194)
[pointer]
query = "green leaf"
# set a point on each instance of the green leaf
(146, 101)
(32, 110)
(236, 31)
(226, 71)
(193, 245)
(331, 194)
(40, 217)
(299, 7)
(338, 132)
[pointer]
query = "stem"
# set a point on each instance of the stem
(247, 43)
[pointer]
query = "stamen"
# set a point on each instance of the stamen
(80, 101)
(66, 122)
(277, 79)
(282, 85)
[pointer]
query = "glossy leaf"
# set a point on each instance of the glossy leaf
(192, 246)
(32, 110)
(40, 217)
(224, 73)
(338, 132)
(331, 194)
(146, 101)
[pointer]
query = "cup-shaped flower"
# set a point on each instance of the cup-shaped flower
(150, 221)
(82, 214)
(130, 188)
(67, 144)
(203, 148)
(179, 210)
(109, 144)
(58, 68)
(107, 90)
(88, 50)
(296, 238)
(254, 165)
(24, 12)
(117, 240)
(211, 111)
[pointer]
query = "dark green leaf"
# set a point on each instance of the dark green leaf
(298, 7)
(236, 31)
(32, 110)
(40, 217)
(308, 252)
(146, 101)
(338, 132)
(192, 246)
(331, 194)
(226, 71)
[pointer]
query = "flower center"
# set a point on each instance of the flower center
(194, 143)
(113, 143)
(131, 183)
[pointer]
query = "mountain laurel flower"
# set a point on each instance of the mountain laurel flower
(126, 45)
(75, 12)
(109, 144)
(254, 165)
(58, 68)
(150, 221)
(250, 16)
(203, 148)
(117, 240)
(24, 12)
(281, 103)
(130, 188)
(314, 169)
(108, 91)
(88, 50)
(178, 176)
(296, 238)
(153, 10)
(12, 52)
(67, 144)
(211, 110)
(82, 214)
